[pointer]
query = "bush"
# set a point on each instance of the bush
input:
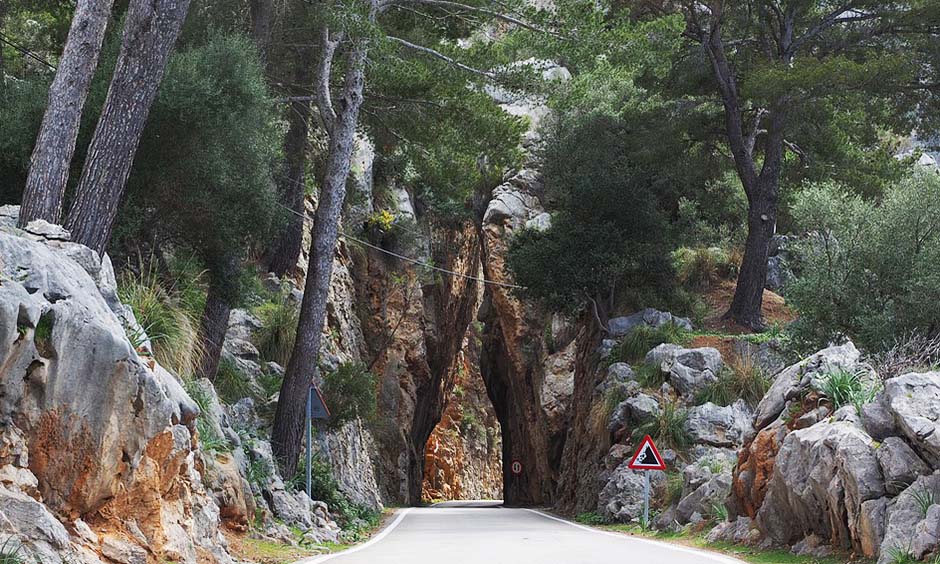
(275, 338)
(350, 392)
(645, 338)
(231, 383)
(700, 268)
(667, 428)
(741, 379)
(914, 352)
(843, 387)
(609, 228)
(172, 328)
(868, 270)
(356, 520)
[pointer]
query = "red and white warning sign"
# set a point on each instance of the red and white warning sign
(516, 468)
(647, 457)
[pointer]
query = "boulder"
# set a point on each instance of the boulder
(878, 420)
(621, 498)
(738, 531)
(619, 375)
(622, 326)
(718, 426)
(907, 526)
(871, 525)
(690, 370)
(914, 400)
(803, 376)
(821, 477)
(705, 498)
(900, 465)
(40, 535)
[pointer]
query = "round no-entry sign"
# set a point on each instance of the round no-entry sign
(516, 467)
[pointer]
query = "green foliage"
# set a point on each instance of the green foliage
(42, 335)
(591, 518)
(275, 338)
(645, 338)
(924, 497)
(719, 512)
(843, 387)
(700, 268)
(231, 383)
(741, 379)
(356, 520)
(673, 488)
(350, 392)
(11, 552)
(650, 376)
(161, 313)
(868, 270)
(666, 428)
(594, 172)
(900, 555)
(216, 123)
(210, 440)
(22, 103)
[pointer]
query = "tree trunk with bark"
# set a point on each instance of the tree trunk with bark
(215, 317)
(284, 251)
(55, 145)
(262, 24)
(150, 31)
(287, 435)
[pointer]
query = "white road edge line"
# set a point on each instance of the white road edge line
(704, 553)
(377, 538)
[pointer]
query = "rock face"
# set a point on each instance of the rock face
(690, 370)
(93, 432)
(463, 457)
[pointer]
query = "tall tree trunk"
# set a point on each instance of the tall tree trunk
(287, 435)
(215, 316)
(52, 154)
(262, 23)
(150, 30)
(745, 308)
(284, 251)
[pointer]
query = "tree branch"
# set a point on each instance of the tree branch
(443, 57)
(384, 4)
(322, 84)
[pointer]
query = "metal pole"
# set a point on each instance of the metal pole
(309, 420)
(646, 500)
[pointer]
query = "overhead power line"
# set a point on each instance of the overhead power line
(411, 259)
(25, 51)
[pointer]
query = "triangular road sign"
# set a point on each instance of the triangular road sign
(647, 457)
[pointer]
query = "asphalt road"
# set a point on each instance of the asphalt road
(487, 533)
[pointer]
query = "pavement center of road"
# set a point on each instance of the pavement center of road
(488, 533)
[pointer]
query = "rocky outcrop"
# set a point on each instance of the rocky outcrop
(463, 457)
(94, 436)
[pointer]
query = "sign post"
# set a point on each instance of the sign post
(646, 458)
(316, 409)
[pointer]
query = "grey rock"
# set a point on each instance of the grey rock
(641, 407)
(914, 400)
(690, 370)
(802, 376)
(119, 550)
(704, 498)
(605, 348)
(871, 525)
(900, 465)
(718, 426)
(813, 546)
(46, 230)
(621, 498)
(622, 326)
(820, 478)
(907, 527)
(810, 418)
(36, 529)
(739, 531)
(512, 205)
(878, 419)
(541, 222)
(618, 375)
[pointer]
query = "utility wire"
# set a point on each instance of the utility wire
(410, 259)
(25, 51)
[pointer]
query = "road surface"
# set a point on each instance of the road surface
(487, 533)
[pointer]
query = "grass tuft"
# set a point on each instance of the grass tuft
(645, 338)
(843, 387)
(667, 427)
(275, 338)
(742, 378)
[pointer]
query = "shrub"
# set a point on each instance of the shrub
(645, 338)
(700, 268)
(843, 387)
(590, 518)
(231, 383)
(650, 376)
(915, 351)
(350, 392)
(173, 330)
(275, 338)
(900, 555)
(868, 270)
(666, 428)
(353, 518)
(11, 552)
(742, 378)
